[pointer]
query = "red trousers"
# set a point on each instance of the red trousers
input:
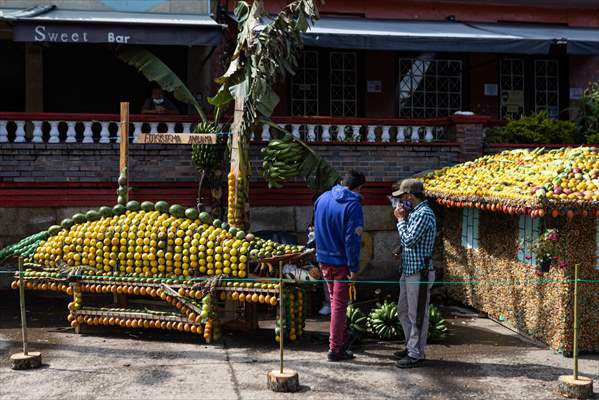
(339, 292)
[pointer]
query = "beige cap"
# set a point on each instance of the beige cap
(413, 186)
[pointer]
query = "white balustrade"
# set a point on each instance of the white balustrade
(88, 134)
(311, 133)
(371, 135)
(295, 130)
(134, 131)
(170, 127)
(401, 134)
(341, 133)
(356, 132)
(153, 127)
(3, 132)
(326, 133)
(187, 127)
(428, 137)
(71, 134)
(385, 136)
(415, 137)
(265, 133)
(37, 132)
(20, 132)
(54, 133)
(105, 132)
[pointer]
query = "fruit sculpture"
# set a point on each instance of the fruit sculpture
(235, 200)
(522, 181)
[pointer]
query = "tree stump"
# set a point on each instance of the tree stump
(581, 388)
(286, 382)
(33, 359)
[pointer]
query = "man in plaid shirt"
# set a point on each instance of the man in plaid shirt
(417, 227)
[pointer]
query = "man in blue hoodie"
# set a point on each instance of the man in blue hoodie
(338, 222)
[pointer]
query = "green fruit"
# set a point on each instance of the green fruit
(54, 229)
(121, 191)
(93, 215)
(205, 218)
(122, 181)
(119, 209)
(133, 205)
(225, 226)
(177, 210)
(106, 211)
(121, 200)
(67, 223)
(233, 231)
(161, 206)
(240, 235)
(147, 206)
(217, 222)
(192, 213)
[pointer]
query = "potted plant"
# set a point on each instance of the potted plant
(549, 249)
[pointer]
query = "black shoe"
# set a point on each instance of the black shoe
(398, 355)
(340, 355)
(408, 362)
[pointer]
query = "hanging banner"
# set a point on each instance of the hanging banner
(176, 138)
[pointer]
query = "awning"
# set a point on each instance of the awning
(48, 24)
(449, 36)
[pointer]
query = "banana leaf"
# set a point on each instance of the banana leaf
(156, 71)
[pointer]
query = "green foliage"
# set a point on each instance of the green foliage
(207, 156)
(536, 128)
(587, 118)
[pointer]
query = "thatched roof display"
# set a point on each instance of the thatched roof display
(562, 181)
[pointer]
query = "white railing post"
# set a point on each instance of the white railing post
(326, 133)
(295, 130)
(37, 132)
(371, 136)
(428, 137)
(401, 134)
(385, 137)
(265, 136)
(341, 133)
(311, 133)
(88, 134)
(54, 134)
(105, 132)
(356, 132)
(153, 127)
(3, 132)
(20, 133)
(170, 127)
(415, 137)
(71, 132)
(187, 127)
(133, 131)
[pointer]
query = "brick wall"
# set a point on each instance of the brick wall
(161, 163)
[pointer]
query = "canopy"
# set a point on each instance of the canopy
(449, 36)
(48, 24)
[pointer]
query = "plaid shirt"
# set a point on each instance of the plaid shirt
(417, 237)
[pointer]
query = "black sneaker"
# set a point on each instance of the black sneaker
(409, 362)
(340, 355)
(398, 355)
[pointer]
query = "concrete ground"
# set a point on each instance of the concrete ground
(479, 360)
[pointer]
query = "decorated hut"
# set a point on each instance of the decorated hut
(513, 226)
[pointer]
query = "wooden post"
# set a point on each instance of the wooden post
(121, 299)
(281, 314)
(24, 360)
(575, 386)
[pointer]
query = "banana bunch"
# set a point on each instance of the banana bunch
(436, 324)
(282, 159)
(383, 321)
(356, 320)
(205, 156)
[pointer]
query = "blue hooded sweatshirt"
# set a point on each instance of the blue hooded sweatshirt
(338, 222)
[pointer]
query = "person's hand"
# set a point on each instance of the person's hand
(397, 252)
(400, 213)
(352, 276)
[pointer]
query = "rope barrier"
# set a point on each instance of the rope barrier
(131, 279)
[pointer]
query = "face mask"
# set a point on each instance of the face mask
(158, 101)
(407, 204)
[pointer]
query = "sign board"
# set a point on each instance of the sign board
(374, 86)
(490, 89)
(513, 100)
(176, 138)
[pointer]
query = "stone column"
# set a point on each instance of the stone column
(468, 132)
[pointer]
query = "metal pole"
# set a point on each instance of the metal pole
(575, 344)
(281, 313)
(22, 303)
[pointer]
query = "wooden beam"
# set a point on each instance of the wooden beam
(124, 136)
